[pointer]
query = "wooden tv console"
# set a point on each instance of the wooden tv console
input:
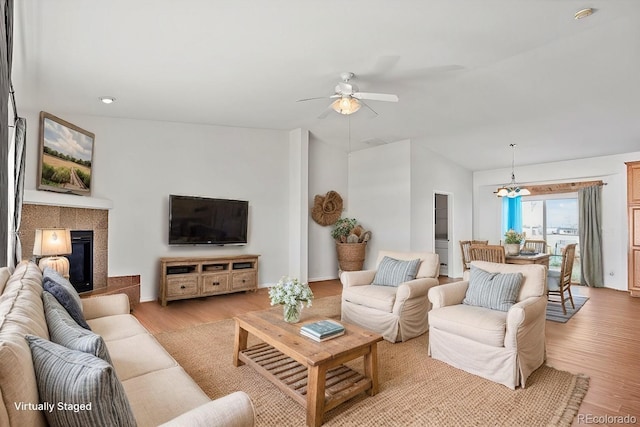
(194, 277)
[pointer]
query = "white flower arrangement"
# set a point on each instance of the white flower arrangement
(290, 291)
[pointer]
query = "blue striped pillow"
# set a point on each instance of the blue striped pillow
(393, 272)
(85, 383)
(65, 331)
(497, 291)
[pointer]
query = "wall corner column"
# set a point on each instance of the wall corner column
(298, 204)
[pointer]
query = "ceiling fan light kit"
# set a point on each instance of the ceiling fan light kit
(348, 96)
(346, 105)
(512, 189)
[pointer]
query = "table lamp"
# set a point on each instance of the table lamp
(50, 243)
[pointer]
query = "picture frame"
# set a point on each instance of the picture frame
(65, 156)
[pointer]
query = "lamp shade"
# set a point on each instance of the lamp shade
(52, 242)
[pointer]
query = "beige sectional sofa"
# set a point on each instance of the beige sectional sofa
(158, 389)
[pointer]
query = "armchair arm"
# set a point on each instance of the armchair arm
(232, 410)
(105, 305)
(525, 322)
(448, 294)
(413, 289)
(357, 278)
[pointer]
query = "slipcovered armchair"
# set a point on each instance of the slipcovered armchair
(396, 311)
(502, 346)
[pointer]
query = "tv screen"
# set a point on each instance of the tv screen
(207, 221)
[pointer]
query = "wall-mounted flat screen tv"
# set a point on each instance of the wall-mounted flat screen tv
(207, 221)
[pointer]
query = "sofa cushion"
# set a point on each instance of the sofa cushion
(379, 297)
(5, 273)
(116, 327)
(479, 324)
(65, 331)
(495, 291)
(65, 297)
(85, 384)
(138, 355)
(160, 396)
(393, 272)
(21, 313)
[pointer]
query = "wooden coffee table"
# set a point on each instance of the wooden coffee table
(310, 372)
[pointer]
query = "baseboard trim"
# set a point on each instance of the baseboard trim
(322, 279)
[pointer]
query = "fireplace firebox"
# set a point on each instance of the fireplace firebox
(81, 260)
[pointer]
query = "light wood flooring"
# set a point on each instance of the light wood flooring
(602, 340)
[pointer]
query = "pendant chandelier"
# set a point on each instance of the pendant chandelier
(512, 189)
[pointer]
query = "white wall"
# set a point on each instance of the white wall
(611, 169)
(327, 171)
(380, 196)
(430, 174)
(392, 191)
(138, 163)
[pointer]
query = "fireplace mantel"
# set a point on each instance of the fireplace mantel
(35, 197)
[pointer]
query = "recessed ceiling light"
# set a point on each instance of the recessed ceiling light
(107, 99)
(583, 13)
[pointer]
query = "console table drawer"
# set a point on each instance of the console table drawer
(215, 283)
(182, 286)
(245, 280)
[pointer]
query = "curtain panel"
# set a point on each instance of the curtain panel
(512, 214)
(6, 41)
(20, 150)
(590, 225)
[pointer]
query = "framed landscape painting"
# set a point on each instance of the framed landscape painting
(66, 153)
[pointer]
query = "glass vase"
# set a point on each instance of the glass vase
(292, 312)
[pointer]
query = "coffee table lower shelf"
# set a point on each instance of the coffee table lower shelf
(342, 383)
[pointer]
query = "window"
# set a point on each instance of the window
(553, 218)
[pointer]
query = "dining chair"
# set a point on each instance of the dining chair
(490, 253)
(464, 248)
(559, 282)
(537, 246)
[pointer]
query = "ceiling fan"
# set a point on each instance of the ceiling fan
(348, 99)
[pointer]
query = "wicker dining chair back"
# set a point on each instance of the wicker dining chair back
(464, 248)
(490, 253)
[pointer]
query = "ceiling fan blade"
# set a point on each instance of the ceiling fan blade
(311, 99)
(326, 112)
(319, 97)
(375, 113)
(376, 96)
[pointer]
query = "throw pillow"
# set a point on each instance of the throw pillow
(393, 272)
(81, 389)
(51, 275)
(66, 298)
(497, 291)
(65, 331)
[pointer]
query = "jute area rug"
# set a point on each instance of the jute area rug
(415, 390)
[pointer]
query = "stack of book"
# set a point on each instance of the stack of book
(322, 330)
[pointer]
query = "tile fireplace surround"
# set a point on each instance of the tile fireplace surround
(44, 216)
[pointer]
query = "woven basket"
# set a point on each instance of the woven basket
(351, 255)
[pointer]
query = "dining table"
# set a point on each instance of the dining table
(521, 259)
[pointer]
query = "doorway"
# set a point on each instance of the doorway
(442, 230)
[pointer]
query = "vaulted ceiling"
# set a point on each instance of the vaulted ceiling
(472, 76)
